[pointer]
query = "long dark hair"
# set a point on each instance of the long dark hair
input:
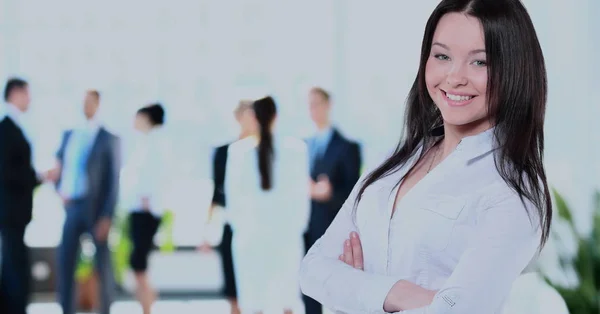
(516, 101)
(265, 111)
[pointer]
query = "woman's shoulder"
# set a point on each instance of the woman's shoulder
(242, 146)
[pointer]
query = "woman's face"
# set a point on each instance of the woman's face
(142, 122)
(456, 73)
(247, 121)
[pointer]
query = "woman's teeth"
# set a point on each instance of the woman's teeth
(458, 98)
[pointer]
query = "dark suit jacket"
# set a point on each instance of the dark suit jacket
(219, 166)
(341, 163)
(103, 170)
(17, 176)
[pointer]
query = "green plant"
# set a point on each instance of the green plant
(122, 247)
(120, 252)
(585, 297)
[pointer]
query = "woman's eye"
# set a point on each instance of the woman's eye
(441, 57)
(480, 63)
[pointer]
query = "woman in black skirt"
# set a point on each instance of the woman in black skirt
(146, 175)
(245, 118)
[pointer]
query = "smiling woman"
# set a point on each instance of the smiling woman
(458, 212)
(456, 72)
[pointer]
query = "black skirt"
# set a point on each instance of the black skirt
(142, 229)
(229, 289)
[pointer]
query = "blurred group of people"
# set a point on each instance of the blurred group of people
(277, 192)
(86, 178)
(273, 215)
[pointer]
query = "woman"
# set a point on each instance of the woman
(268, 202)
(245, 118)
(455, 215)
(146, 174)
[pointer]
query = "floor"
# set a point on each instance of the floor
(161, 307)
(216, 306)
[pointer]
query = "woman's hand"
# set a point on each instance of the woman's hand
(406, 295)
(353, 254)
(403, 296)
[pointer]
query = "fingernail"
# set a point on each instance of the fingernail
(354, 234)
(347, 243)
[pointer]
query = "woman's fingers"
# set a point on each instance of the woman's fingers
(357, 252)
(353, 253)
(348, 258)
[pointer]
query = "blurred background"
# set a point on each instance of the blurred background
(199, 58)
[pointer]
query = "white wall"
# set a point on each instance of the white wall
(381, 51)
(572, 155)
(200, 57)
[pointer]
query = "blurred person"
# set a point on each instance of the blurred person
(146, 176)
(18, 179)
(90, 163)
(245, 118)
(267, 199)
(461, 209)
(335, 167)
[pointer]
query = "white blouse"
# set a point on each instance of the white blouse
(147, 172)
(282, 211)
(461, 230)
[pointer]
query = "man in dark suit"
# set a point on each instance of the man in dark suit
(335, 169)
(17, 182)
(90, 163)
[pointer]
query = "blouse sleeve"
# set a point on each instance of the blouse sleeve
(333, 283)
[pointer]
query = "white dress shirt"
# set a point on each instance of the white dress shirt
(318, 144)
(461, 231)
(74, 182)
(147, 172)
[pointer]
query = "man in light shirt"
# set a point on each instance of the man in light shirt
(88, 183)
(335, 163)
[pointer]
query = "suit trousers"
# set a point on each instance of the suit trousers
(15, 278)
(311, 306)
(78, 222)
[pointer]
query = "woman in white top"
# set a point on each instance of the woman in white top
(146, 177)
(268, 202)
(456, 214)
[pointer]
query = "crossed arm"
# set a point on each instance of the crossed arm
(404, 295)
(505, 240)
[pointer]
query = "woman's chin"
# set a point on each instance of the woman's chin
(464, 121)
